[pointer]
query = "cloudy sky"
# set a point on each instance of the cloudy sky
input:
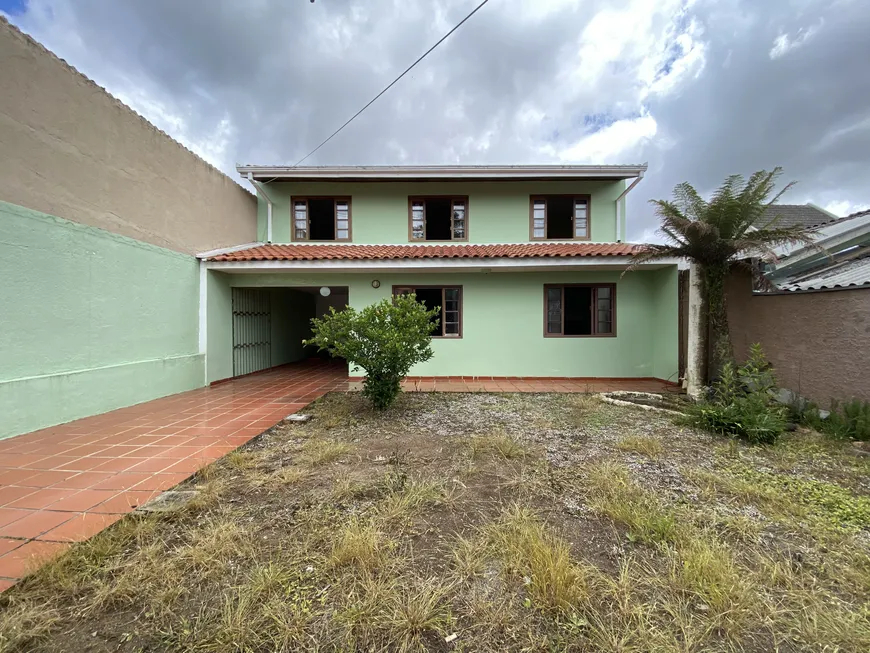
(697, 88)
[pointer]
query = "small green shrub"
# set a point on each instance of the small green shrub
(848, 420)
(740, 402)
(384, 339)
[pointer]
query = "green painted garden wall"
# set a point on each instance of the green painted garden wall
(503, 323)
(498, 212)
(90, 321)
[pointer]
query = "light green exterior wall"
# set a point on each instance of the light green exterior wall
(498, 212)
(503, 323)
(90, 321)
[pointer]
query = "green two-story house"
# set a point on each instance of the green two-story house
(526, 263)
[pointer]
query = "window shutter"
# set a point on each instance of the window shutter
(300, 220)
(418, 220)
(554, 310)
(539, 218)
(581, 219)
(342, 220)
(459, 220)
(603, 310)
(451, 311)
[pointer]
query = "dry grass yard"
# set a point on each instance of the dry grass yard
(477, 522)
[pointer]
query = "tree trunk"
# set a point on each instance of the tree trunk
(721, 352)
(696, 348)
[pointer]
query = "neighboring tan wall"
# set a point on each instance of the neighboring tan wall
(498, 212)
(71, 150)
(90, 321)
(817, 342)
(503, 323)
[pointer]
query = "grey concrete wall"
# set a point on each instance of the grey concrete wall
(818, 341)
(69, 149)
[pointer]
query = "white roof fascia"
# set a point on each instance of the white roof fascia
(228, 250)
(615, 172)
(436, 264)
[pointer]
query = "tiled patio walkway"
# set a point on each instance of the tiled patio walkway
(66, 483)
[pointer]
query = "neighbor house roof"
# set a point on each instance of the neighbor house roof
(300, 252)
(798, 215)
(428, 173)
(854, 271)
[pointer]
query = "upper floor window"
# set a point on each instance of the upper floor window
(321, 218)
(438, 218)
(559, 217)
(579, 310)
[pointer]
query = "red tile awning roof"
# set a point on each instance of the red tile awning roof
(388, 252)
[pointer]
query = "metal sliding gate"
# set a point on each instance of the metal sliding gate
(252, 330)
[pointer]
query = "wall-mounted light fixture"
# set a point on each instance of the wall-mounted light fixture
(325, 291)
(376, 284)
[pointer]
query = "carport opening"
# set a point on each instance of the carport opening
(269, 324)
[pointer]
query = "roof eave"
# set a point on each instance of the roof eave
(452, 173)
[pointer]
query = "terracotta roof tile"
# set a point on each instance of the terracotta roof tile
(297, 252)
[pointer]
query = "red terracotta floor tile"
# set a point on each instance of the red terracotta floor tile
(122, 464)
(82, 500)
(9, 515)
(122, 481)
(124, 502)
(80, 527)
(41, 498)
(161, 481)
(83, 480)
(6, 583)
(34, 524)
(151, 465)
(7, 545)
(11, 494)
(15, 476)
(28, 557)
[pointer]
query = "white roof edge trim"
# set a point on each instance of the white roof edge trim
(435, 264)
(444, 172)
(228, 250)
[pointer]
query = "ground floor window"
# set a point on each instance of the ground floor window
(447, 298)
(579, 310)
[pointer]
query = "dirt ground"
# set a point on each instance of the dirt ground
(478, 522)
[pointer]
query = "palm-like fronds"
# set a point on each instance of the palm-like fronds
(719, 233)
(729, 226)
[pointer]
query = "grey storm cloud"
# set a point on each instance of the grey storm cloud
(699, 89)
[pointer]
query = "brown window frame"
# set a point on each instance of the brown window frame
(404, 289)
(575, 197)
(594, 286)
(423, 198)
(335, 200)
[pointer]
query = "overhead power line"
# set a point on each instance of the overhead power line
(407, 70)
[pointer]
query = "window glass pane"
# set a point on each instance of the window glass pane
(554, 310)
(417, 221)
(451, 311)
(300, 220)
(581, 219)
(343, 234)
(459, 220)
(604, 310)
